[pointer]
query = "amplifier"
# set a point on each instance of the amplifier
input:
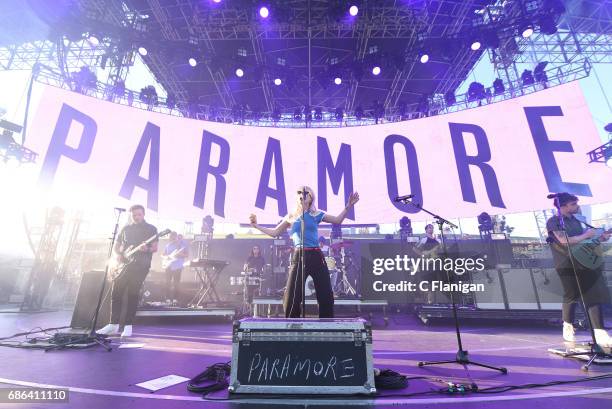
(302, 356)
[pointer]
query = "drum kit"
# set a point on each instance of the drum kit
(339, 261)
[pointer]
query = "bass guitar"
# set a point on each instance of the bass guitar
(128, 254)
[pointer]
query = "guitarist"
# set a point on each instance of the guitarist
(134, 272)
(592, 281)
(175, 254)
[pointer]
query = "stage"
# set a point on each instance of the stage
(100, 379)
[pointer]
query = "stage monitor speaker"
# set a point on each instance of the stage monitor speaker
(493, 296)
(520, 289)
(549, 288)
(87, 299)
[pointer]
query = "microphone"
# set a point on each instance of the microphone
(119, 209)
(402, 198)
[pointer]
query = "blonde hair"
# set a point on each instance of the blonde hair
(291, 217)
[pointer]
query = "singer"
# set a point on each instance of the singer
(314, 261)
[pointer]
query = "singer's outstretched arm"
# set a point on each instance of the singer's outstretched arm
(353, 198)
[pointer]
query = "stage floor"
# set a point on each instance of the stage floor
(99, 379)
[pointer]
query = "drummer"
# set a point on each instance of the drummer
(255, 263)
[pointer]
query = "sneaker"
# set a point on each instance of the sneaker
(110, 329)
(127, 331)
(602, 338)
(569, 333)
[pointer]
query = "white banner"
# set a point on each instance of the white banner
(500, 158)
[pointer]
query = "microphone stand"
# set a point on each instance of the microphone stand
(302, 255)
(461, 357)
(595, 351)
(92, 336)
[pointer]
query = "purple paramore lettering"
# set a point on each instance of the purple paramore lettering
(58, 146)
(205, 168)
(480, 161)
(342, 168)
(546, 148)
(150, 138)
(413, 172)
(273, 156)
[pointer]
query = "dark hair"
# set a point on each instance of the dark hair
(136, 207)
(428, 225)
(564, 198)
(253, 251)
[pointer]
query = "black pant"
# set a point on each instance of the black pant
(315, 267)
(129, 281)
(173, 282)
(595, 293)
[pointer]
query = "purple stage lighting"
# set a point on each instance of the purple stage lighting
(193, 62)
(424, 58)
(475, 46)
(376, 70)
(337, 80)
(142, 51)
(277, 81)
(264, 12)
(353, 10)
(239, 72)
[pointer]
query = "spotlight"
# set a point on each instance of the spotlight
(239, 72)
(339, 114)
(476, 91)
(264, 12)
(278, 81)
(547, 25)
(424, 58)
(498, 87)
(539, 73)
(376, 70)
(94, 40)
(526, 30)
(337, 80)
(193, 62)
(475, 45)
(527, 77)
(142, 51)
(217, 1)
(318, 115)
(353, 10)
(450, 98)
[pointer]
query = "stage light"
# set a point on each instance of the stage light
(339, 114)
(476, 91)
(142, 51)
(278, 81)
(264, 12)
(193, 62)
(239, 72)
(353, 10)
(337, 80)
(359, 114)
(498, 87)
(539, 73)
(94, 40)
(475, 45)
(376, 70)
(449, 98)
(424, 58)
(608, 127)
(527, 77)
(547, 25)
(217, 1)
(526, 30)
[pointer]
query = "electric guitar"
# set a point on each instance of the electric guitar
(168, 259)
(587, 253)
(128, 254)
